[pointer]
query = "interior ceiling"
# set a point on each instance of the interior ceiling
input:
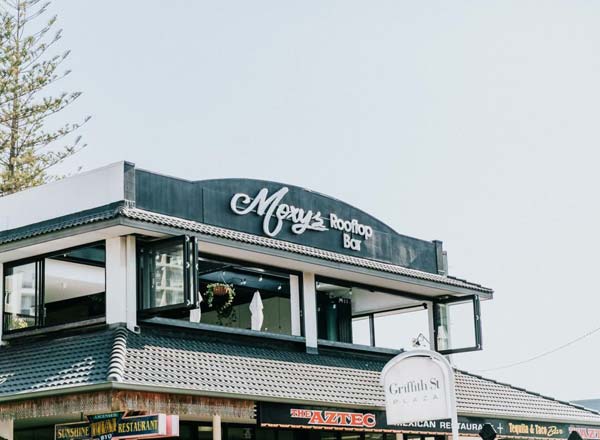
(250, 280)
(367, 301)
(67, 280)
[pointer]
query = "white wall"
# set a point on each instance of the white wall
(121, 304)
(73, 194)
(310, 310)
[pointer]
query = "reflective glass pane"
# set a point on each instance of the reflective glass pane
(456, 326)
(398, 329)
(361, 332)
(20, 300)
(164, 280)
(74, 286)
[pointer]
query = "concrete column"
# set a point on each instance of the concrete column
(295, 304)
(121, 300)
(310, 312)
(131, 290)
(216, 425)
(6, 429)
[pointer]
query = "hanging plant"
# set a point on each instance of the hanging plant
(225, 294)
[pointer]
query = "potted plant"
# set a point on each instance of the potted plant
(221, 295)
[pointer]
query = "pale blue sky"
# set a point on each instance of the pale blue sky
(473, 122)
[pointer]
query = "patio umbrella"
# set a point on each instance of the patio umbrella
(256, 309)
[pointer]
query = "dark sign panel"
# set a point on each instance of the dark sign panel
(309, 417)
(284, 212)
(114, 425)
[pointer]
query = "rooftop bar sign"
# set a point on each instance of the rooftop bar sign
(274, 212)
(286, 213)
(116, 426)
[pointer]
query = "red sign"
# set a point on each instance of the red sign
(586, 433)
(335, 418)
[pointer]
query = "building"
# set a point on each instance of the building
(141, 305)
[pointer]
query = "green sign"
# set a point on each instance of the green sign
(116, 426)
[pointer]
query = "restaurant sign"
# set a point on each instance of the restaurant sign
(116, 426)
(274, 212)
(284, 212)
(272, 415)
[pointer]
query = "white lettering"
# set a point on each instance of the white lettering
(351, 226)
(274, 212)
(271, 207)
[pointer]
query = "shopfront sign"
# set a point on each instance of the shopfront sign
(286, 212)
(274, 212)
(339, 418)
(591, 433)
(274, 415)
(116, 426)
(418, 386)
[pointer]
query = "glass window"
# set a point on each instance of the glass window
(74, 286)
(58, 289)
(20, 297)
(361, 331)
(365, 316)
(397, 329)
(457, 325)
(246, 297)
(166, 267)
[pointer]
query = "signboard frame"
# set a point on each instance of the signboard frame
(448, 385)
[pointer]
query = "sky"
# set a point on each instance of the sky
(470, 122)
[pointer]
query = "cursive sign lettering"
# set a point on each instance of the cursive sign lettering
(271, 208)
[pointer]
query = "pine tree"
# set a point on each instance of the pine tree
(29, 73)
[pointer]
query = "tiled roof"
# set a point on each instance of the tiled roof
(161, 358)
(55, 363)
(124, 209)
(94, 215)
(152, 217)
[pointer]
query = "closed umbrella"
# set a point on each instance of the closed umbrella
(256, 309)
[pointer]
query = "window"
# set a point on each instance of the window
(457, 325)
(242, 295)
(358, 315)
(397, 329)
(57, 289)
(166, 274)
(20, 297)
(175, 282)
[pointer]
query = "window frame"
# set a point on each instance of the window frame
(371, 315)
(235, 263)
(190, 270)
(40, 296)
(476, 323)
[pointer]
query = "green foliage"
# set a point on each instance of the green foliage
(28, 70)
(227, 294)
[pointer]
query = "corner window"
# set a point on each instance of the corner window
(21, 297)
(56, 289)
